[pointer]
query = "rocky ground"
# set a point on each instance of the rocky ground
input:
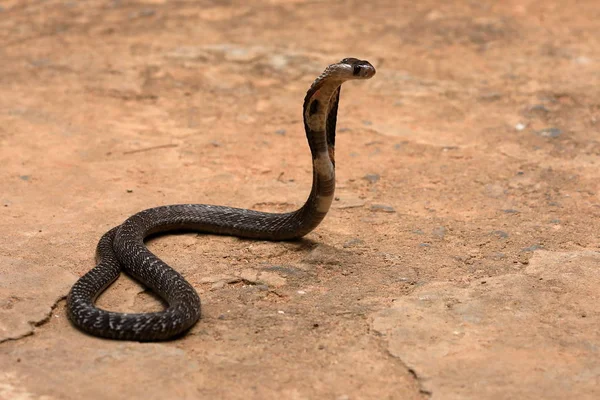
(461, 257)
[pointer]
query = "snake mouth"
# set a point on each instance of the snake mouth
(364, 70)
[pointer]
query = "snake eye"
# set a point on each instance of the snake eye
(356, 70)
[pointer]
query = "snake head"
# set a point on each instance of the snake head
(353, 68)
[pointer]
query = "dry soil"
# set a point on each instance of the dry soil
(461, 257)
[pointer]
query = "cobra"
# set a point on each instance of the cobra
(123, 249)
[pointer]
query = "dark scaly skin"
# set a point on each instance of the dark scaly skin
(122, 248)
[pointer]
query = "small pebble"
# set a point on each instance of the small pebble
(371, 178)
(352, 243)
(129, 190)
(491, 96)
(539, 108)
(532, 248)
(510, 211)
(549, 132)
(520, 126)
(382, 208)
(280, 132)
(500, 234)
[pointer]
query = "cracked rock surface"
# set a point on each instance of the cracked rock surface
(460, 256)
(22, 304)
(522, 335)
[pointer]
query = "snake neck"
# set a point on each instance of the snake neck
(320, 116)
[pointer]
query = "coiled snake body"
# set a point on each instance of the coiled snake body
(122, 248)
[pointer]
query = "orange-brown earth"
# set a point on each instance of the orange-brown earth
(460, 259)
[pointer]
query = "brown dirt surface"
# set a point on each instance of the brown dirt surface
(461, 257)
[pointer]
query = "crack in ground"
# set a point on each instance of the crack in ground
(416, 377)
(37, 324)
(381, 339)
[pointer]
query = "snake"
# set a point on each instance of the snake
(122, 248)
